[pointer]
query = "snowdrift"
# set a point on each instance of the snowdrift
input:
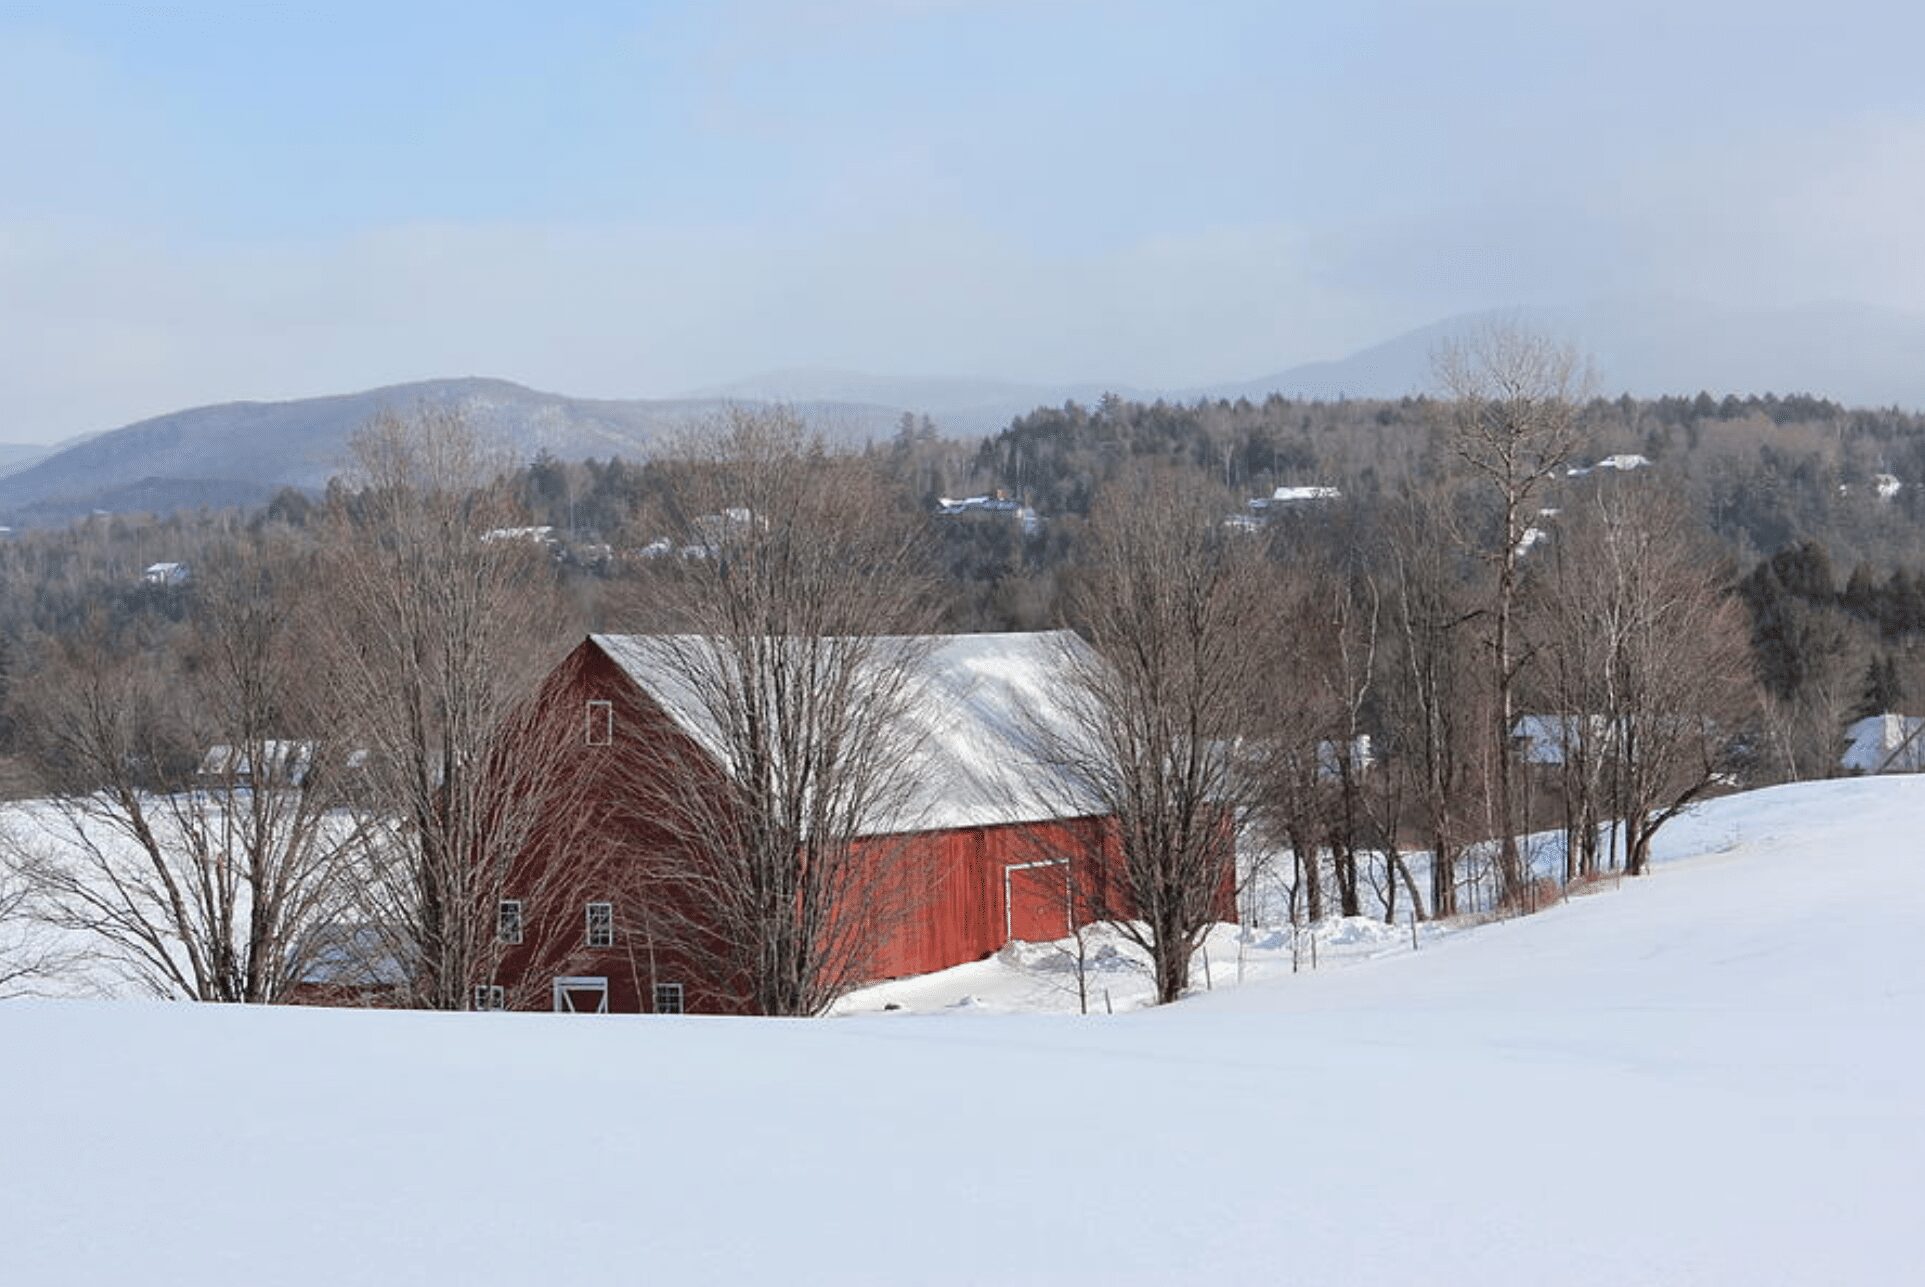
(1709, 1076)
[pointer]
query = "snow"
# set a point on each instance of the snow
(1544, 738)
(1294, 495)
(1707, 1076)
(985, 717)
(1887, 743)
(1623, 462)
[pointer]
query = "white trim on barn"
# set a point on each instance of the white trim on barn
(1009, 894)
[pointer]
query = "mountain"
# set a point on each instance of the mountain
(1856, 354)
(958, 405)
(18, 455)
(241, 453)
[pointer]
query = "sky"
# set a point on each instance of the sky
(201, 203)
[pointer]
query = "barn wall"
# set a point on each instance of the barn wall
(957, 911)
(613, 867)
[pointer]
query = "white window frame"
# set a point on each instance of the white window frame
(601, 722)
(598, 984)
(608, 913)
(671, 989)
(1009, 895)
(490, 996)
(501, 917)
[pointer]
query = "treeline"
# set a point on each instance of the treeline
(1788, 487)
(1370, 700)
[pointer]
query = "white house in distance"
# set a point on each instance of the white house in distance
(1887, 743)
(165, 574)
(1000, 505)
(1623, 463)
(1261, 509)
(1545, 739)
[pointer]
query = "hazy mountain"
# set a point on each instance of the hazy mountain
(242, 452)
(18, 455)
(1853, 353)
(959, 406)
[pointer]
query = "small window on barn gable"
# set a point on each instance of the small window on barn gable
(668, 998)
(601, 925)
(491, 996)
(601, 723)
(508, 921)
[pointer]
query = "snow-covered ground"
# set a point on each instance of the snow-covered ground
(1709, 1076)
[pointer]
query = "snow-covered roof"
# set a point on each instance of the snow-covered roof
(1287, 495)
(1623, 462)
(1887, 743)
(541, 534)
(165, 573)
(984, 721)
(1546, 737)
(282, 761)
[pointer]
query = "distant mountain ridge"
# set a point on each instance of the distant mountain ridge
(241, 453)
(1856, 354)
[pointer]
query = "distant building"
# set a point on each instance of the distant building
(1287, 497)
(165, 574)
(1261, 509)
(275, 762)
(1548, 739)
(1887, 743)
(997, 507)
(1623, 463)
(543, 535)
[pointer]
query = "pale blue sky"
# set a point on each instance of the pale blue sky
(204, 202)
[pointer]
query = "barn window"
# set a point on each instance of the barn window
(601, 723)
(668, 998)
(601, 925)
(508, 921)
(490, 996)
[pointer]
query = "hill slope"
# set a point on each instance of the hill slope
(1706, 1077)
(242, 452)
(1855, 354)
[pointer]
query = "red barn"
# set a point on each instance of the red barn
(987, 852)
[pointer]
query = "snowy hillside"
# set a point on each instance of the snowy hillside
(1710, 1076)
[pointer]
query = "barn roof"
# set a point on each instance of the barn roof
(985, 724)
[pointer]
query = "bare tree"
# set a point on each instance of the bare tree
(1513, 399)
(1434, 694)
(1677, 682)
(1176, 605)
(31, 952)
(189, 826)
(440, 622)
(791, 630)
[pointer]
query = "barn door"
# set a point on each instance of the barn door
(581, 996)
(1036, 900)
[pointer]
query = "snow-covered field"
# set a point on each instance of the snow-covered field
(1710, 1076)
